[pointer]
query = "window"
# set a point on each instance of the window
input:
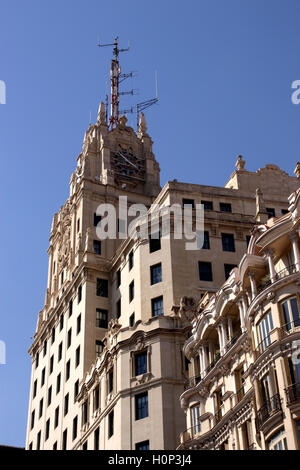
(131, 320)
(144, 445)
(65, 438)
(78, 326)
(278, 441)
(68, 368)
(110, 381)
(284, 211)
(75, 426)
(156, 274)
(97, 398)
(99, 347)
(41, 408)
(66, 407)
(228, 242)
(157, 306)
(70, 308)
(45, 348)
(206, 242)
(102, 288)
(32, 419)
(290, 312)
(69, 341)
(188, 203)
(30, 446)
(96, 439)
(97, 219)
(141, 406)
(47, 429)
(225, 207)
(131, 291)
(111, 424)
(131, 260)
(78, 225)
(37, 360)
(51, 364)
(43, 377)
(264, 327)
(62, 278)
(79, 294)
(49, 396)
(118, 308)
(56, 417)
(85, 446)
(101, 318)
(227, 269)
(85, 412)
(97, 247)
(53, 335)
(76, 389)
(248, 238)
(77, 356)
(208, 205)
(196, 419)
(34, 388)
(61, 322)
(38, 441)
(60, 351)
(270, 211)
(205, 271)
(118, 278)
(154, 242)
(55, 446)
(140, 363)
(58, 382)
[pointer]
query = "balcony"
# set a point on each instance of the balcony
(291, 327)
(292, 269)
(269, 408)
(192, 382)
(292, 394)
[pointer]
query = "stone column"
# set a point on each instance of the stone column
(205, 362)
(201, 361)
(295, 245)
(224, 334)
(271, 265)
(253, 285)
(230, 330)
(220, 339)
(241, 312)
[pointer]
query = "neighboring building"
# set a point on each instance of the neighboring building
(107, 362)
(244, 386)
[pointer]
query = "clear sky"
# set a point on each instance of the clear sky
(225, 69)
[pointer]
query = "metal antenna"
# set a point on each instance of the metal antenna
(146, 104)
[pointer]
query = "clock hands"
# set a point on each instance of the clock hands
(128, 161)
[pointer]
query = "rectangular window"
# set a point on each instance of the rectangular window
(208, 205)
(85, 412)
(227, 269)
(66, 407)
(154, 242)
(53, 335)
(188, 203)
(206, 242)
(37, 360)
(248, 238)
(56, 417)
(141, 406)
(111, 424)
(97, 219)
(157, 306)
(51, 364)
(131, 291)
(70, 308)
(144, 445)
(102, 288)
(47, 432)
(61, 322)
(110, 381)
(101, 318)
(131, 260)
(38, 441)
(97, 247)
(58, 382)
(131, 320)
(270, 212)
(32, 419)
(69, 341)
(65, 438)
(118, 308)
(45, 348)
(118, 278)
(99, 347)
(55, 446)
(264, 328)
(49, 396)
(140, 363)
(205, 271)
(34, 388)
(97, 398)
(78, 326)
(225, 207)
(75, 426)
(43, 377)
(156, 274)
(96, 439)
(41, 408)
(79, 294)
(284, 211)
(196, 419)
(76, 389)
(77, 357)
(228, 242)
(60, 351)
(78, 225)
(68, 369)
(290, 310)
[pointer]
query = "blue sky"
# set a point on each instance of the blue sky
(225, 69)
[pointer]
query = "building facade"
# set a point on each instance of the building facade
(244, 386)
(108, 367)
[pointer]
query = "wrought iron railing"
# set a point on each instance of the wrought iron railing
(268, 409)
(233, 340)
(291, 326)
(292, 393)
(192, 382)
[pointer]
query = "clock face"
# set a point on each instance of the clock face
(126, 163)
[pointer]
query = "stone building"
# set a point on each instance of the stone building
(107, 362)
(244, 386)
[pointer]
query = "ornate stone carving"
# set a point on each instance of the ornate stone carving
(188, 309)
